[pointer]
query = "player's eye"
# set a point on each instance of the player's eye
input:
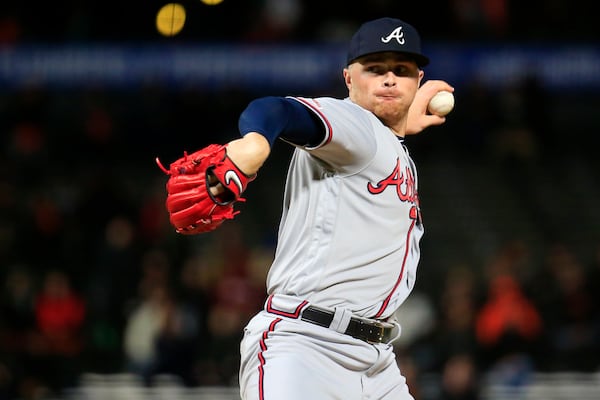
(376, 69)
(400, 70)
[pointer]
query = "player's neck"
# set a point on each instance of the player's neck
(398, 129)
(400, 134)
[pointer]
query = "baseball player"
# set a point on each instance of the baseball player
(348, 242)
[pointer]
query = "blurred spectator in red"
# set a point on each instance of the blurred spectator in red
(59, 313)
(508, 323)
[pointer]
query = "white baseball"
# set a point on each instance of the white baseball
(442, 103)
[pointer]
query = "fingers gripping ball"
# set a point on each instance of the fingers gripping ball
(202, 190)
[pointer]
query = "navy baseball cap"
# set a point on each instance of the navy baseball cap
(386, 34)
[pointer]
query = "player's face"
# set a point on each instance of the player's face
(385, 84)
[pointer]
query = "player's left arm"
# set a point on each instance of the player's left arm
(249, 152)
(265, 120)
(262, 122)
(418, 116)
(204, 186)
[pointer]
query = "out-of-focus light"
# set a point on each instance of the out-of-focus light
(212, 2)
(170, 19)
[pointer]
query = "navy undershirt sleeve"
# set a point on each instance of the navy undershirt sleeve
(287, 118)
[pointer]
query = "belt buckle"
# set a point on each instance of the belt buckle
(380, 330)
(373, 328)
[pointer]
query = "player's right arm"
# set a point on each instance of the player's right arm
(418, 116)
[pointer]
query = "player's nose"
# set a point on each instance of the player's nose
(389, 80)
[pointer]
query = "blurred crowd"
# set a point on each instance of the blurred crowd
(95, 280)
(93, 276)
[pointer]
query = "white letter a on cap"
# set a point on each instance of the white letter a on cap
(396, 34)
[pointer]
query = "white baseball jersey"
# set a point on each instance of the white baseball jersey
(350, 230)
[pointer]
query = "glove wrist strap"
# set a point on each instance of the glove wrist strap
(232, 178)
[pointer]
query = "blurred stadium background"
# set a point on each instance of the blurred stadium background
(101, 300)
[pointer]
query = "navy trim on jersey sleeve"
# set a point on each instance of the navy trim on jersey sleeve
(275, 117)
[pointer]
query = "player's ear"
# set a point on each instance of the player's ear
(421, 75)
(347, 78)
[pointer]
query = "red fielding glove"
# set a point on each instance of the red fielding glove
(192, 206)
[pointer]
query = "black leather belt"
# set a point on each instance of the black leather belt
(370, 331)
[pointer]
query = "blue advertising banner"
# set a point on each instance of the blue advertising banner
(290, 67)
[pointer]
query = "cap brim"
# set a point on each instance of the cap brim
(420, 59)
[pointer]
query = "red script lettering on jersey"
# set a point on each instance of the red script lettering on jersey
(404, 182)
